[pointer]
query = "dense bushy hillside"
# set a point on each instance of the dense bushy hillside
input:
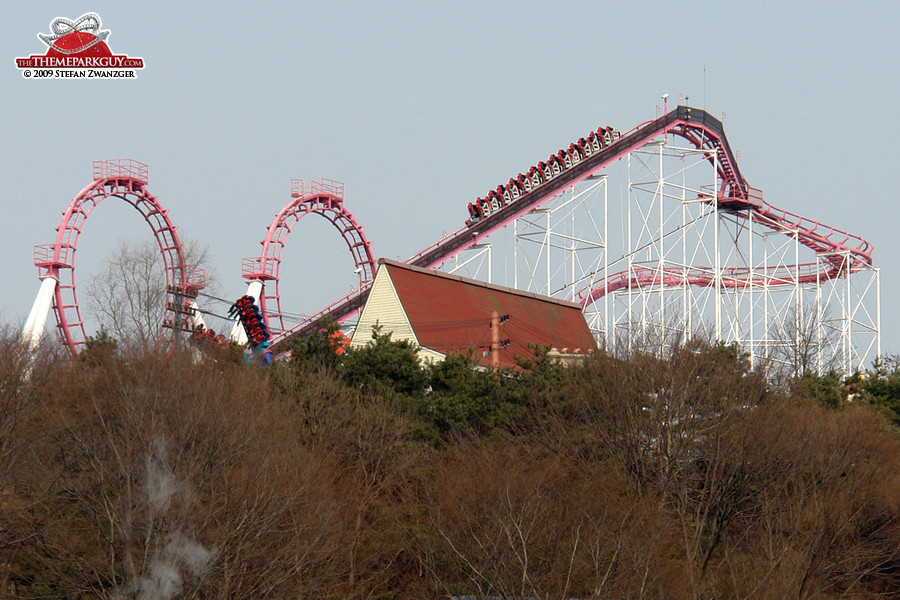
(138, 475)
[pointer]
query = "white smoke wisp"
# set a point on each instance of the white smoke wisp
(160, 483)
(181, 555)
(163, 583)
(193, 557)
(182, 558)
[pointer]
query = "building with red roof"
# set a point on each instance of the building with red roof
(446, 314)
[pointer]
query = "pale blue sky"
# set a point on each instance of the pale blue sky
(418, 107)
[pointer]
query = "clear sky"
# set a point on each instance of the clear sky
(419, 107)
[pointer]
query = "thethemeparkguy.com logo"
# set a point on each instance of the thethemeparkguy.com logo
(78, 49)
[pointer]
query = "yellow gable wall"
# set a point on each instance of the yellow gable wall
(383, 306)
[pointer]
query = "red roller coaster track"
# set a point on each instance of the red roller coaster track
(126, 180)
(639, 277)
(845, 253)
(322, 197)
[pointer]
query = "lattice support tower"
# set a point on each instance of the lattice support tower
(673, 261)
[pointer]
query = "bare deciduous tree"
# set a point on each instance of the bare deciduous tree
(128, 298)
(514, 522)
(804, 342)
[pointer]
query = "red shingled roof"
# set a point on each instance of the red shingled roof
(452, 314)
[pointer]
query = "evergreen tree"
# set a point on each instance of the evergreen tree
(385, 362)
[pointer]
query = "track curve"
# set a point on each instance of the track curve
(322, 197)
(732, 278)
(126, 180)
(848, 253)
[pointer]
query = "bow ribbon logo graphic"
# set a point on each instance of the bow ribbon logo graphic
(87, 23)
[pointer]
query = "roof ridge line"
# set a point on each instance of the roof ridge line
(477, 282)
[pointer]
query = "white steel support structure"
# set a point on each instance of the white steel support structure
(33, 330)
(666, 281)
(561, 248)
(738, 279)
(667, 260)
(477, 260)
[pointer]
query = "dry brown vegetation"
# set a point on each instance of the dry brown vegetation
(148, 476)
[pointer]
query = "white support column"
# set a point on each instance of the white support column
(685, 286)
(606, 320)
(718, 266)
(516, 254)
(548, 242)
(798, 307)
(572, 248)
(848, 321)
(877, 313)
(661, 259)
(764, 327)
(238, 335)
(629, 249)
(820, 334)
(751, 328)
(37, 318)
(196, 317)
